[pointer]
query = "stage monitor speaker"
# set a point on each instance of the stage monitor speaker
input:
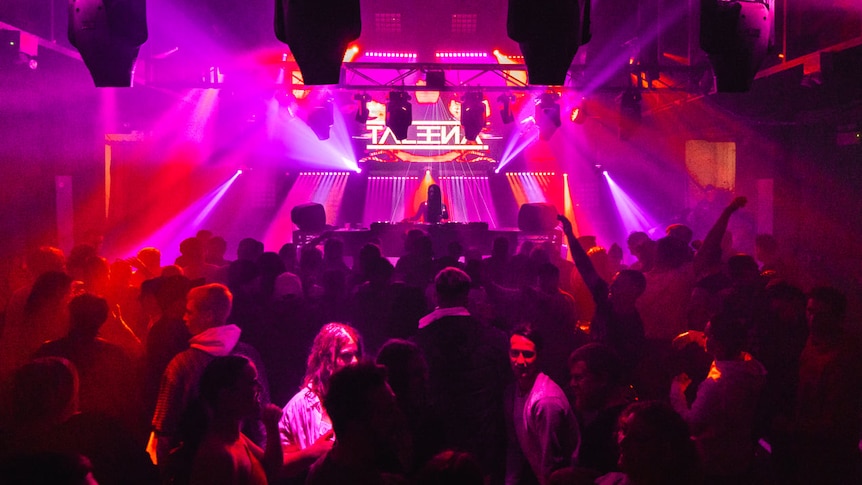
(537, 218)
(309, 217)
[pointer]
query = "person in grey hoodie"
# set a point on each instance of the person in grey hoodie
(722, 415)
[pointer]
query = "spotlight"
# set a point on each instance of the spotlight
(399, 114)
(547, 115)
(362, 113)
(630, 112)
(579, 113)
(473, 115)
(108, 39)
(506, 108)
(736, 35)
(320, 119)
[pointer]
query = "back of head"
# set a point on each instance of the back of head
(333, 249)
(215, 298)
(221, 373)
(325, 349)
(216, 246)
(347, 399)
(451, 468)
(50, 288)
(151, 257)
(681, 232)
(397, 356)
(742, 267)
(192, 248)
(44, 391)
(87, 314)
(501, 247)
(600, 360)
(660, 438)
(172, 291)
(249, 249)
(729, 331)
(44, 259)
(270, 264)
(452, 286)
(635, 278)
(671, 252)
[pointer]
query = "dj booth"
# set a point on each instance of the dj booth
(536, 222)
(390, 236)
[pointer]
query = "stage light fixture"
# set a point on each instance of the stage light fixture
(399, 114)
(579, 112)
(318, 33)
(320, 119)
(506, 108)
(108, 39)
(473, 114)
(549, 36)
(547, 115)
(736, 35)
(362, 112)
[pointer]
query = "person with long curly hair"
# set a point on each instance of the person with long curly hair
(306, 431)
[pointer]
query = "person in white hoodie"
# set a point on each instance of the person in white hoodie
(207, 310)
(722, 415)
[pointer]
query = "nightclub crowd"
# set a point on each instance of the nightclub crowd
(692, 364)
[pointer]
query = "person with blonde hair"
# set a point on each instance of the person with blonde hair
(305, 428)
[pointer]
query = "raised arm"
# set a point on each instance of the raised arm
(597, 286)
(710, 251)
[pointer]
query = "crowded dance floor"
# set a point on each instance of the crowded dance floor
(455, 242)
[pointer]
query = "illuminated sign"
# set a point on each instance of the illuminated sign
(428, 135)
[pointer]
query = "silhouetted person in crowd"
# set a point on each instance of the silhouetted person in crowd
(230, 391)
(215, 249)
(468, 371)
(644, 249)
(108, 380)
(168, 336)
(45, 317)
(655, 448)
(823, 439)
(721, 417)
(407, 373)
(367, 425)
(600, 396)
(207, 310)
(37, 263)
(305, 427)
(616, 322)
(44, 418)
(193, 261)
(497, 266)
(543, 431)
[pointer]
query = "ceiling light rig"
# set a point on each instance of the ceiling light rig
(473, 114)
(547, 115)
(399, 114)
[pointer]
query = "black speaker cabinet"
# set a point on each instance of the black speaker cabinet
(537, 218)
(309, 217)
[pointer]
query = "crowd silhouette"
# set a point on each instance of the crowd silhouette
(689, 364)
